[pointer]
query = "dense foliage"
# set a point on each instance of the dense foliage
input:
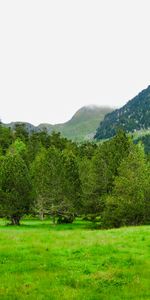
(133, 116)
(145, 139)
(16, 189)
(50, 176)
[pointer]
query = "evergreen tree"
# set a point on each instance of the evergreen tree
(90, 203)
(102, 170)
(129, 199)
(15, 188)
(72, 183)
(47, 173)
(6, 138)
(20, 132)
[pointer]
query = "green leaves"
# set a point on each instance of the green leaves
(15, 186)
(56, 180)
(126, 205)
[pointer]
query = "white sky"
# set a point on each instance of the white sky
(58, 55)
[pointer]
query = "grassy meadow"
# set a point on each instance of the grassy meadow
(42, 261)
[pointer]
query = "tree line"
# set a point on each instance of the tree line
(49, 176)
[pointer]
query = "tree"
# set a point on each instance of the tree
(90, 203)
(99, 174)
(106, 161)
(18, 147)
(129, 199)
(6, 138)
(21, 132)
(87, 150)
(56, 179)
(71, 183)
(15, 188)
(47, 174)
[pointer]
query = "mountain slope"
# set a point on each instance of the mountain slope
(82, 125)
(132, 117)
(29, 127)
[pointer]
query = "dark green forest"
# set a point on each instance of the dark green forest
(132, 117)
(49, 176)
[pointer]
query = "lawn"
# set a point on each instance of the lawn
(42, 261)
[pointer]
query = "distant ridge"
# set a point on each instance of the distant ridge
(132, 117)
(81, 127)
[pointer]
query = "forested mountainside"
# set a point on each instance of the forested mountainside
(133, 116)
(81, 127)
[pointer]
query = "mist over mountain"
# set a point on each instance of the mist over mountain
(132, 117)
(82, 126)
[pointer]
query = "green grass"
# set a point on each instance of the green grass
(42, 261)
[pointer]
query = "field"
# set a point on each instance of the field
(42, 261)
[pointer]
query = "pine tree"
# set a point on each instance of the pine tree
(47, 173)
(127, 204)
(15, 188)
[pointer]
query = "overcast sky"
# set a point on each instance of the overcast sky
(57, 56)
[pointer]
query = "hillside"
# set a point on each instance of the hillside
(29, 127)
(132, 117)
(82, 125)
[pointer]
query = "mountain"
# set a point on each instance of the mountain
(132, 117)
(29, 127)
(82, 126)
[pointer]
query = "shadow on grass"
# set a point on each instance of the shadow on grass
(47, 225)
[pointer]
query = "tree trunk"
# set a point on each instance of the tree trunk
(15, 220)
(41, 215)
(54, 220)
